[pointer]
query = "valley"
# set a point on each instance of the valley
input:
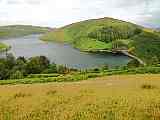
(98, 69)
(111, 35)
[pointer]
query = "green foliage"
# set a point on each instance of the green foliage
(13, 68)
(147, 47)
(36, 65)
(10, 60)
(52, 68)
(17, 75)
(79, 76)
(133, 63)
(103, 30)
(3, 69)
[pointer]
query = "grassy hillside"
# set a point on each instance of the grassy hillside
(3, 46)
(20, 30)
(110, 34)
(126, 97)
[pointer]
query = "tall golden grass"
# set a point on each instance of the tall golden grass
(107, 98)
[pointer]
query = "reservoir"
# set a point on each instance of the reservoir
(63, 54)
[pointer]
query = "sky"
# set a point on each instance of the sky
(57, 13)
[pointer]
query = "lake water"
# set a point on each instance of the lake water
(30, 46)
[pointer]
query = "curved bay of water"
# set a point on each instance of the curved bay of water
(64, 54)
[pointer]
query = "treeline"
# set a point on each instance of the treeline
(18, 68)
(109, 34)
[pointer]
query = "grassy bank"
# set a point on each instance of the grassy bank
(120, 97)
(110, 34)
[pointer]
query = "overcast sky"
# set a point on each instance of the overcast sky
(56, 13)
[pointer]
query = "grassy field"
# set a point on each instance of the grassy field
(118, 97)
(110, 34)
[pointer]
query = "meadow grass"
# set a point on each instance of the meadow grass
(118, 97)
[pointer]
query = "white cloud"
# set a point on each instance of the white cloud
(61, 12)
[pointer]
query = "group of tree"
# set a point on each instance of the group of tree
(109, 34)
(17, 68)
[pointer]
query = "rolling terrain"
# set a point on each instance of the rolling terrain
(95, 94)
(110, 35)
(118, 97)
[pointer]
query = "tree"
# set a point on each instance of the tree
(17, 75)
(62, 69)
(137, 31)
(155, 60)
(10, 60)
(23, 59)
(21, 65)
(52, 68)
(3, 70)
(37, 64)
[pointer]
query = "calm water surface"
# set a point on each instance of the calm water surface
(30, 46)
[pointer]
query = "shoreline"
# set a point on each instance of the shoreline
(124, 52)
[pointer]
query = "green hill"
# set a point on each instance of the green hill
(3, 47)
(111, 35)
(21, 30)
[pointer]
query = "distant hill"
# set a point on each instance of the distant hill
(21, 30)
(112, 35)
(3, 47)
